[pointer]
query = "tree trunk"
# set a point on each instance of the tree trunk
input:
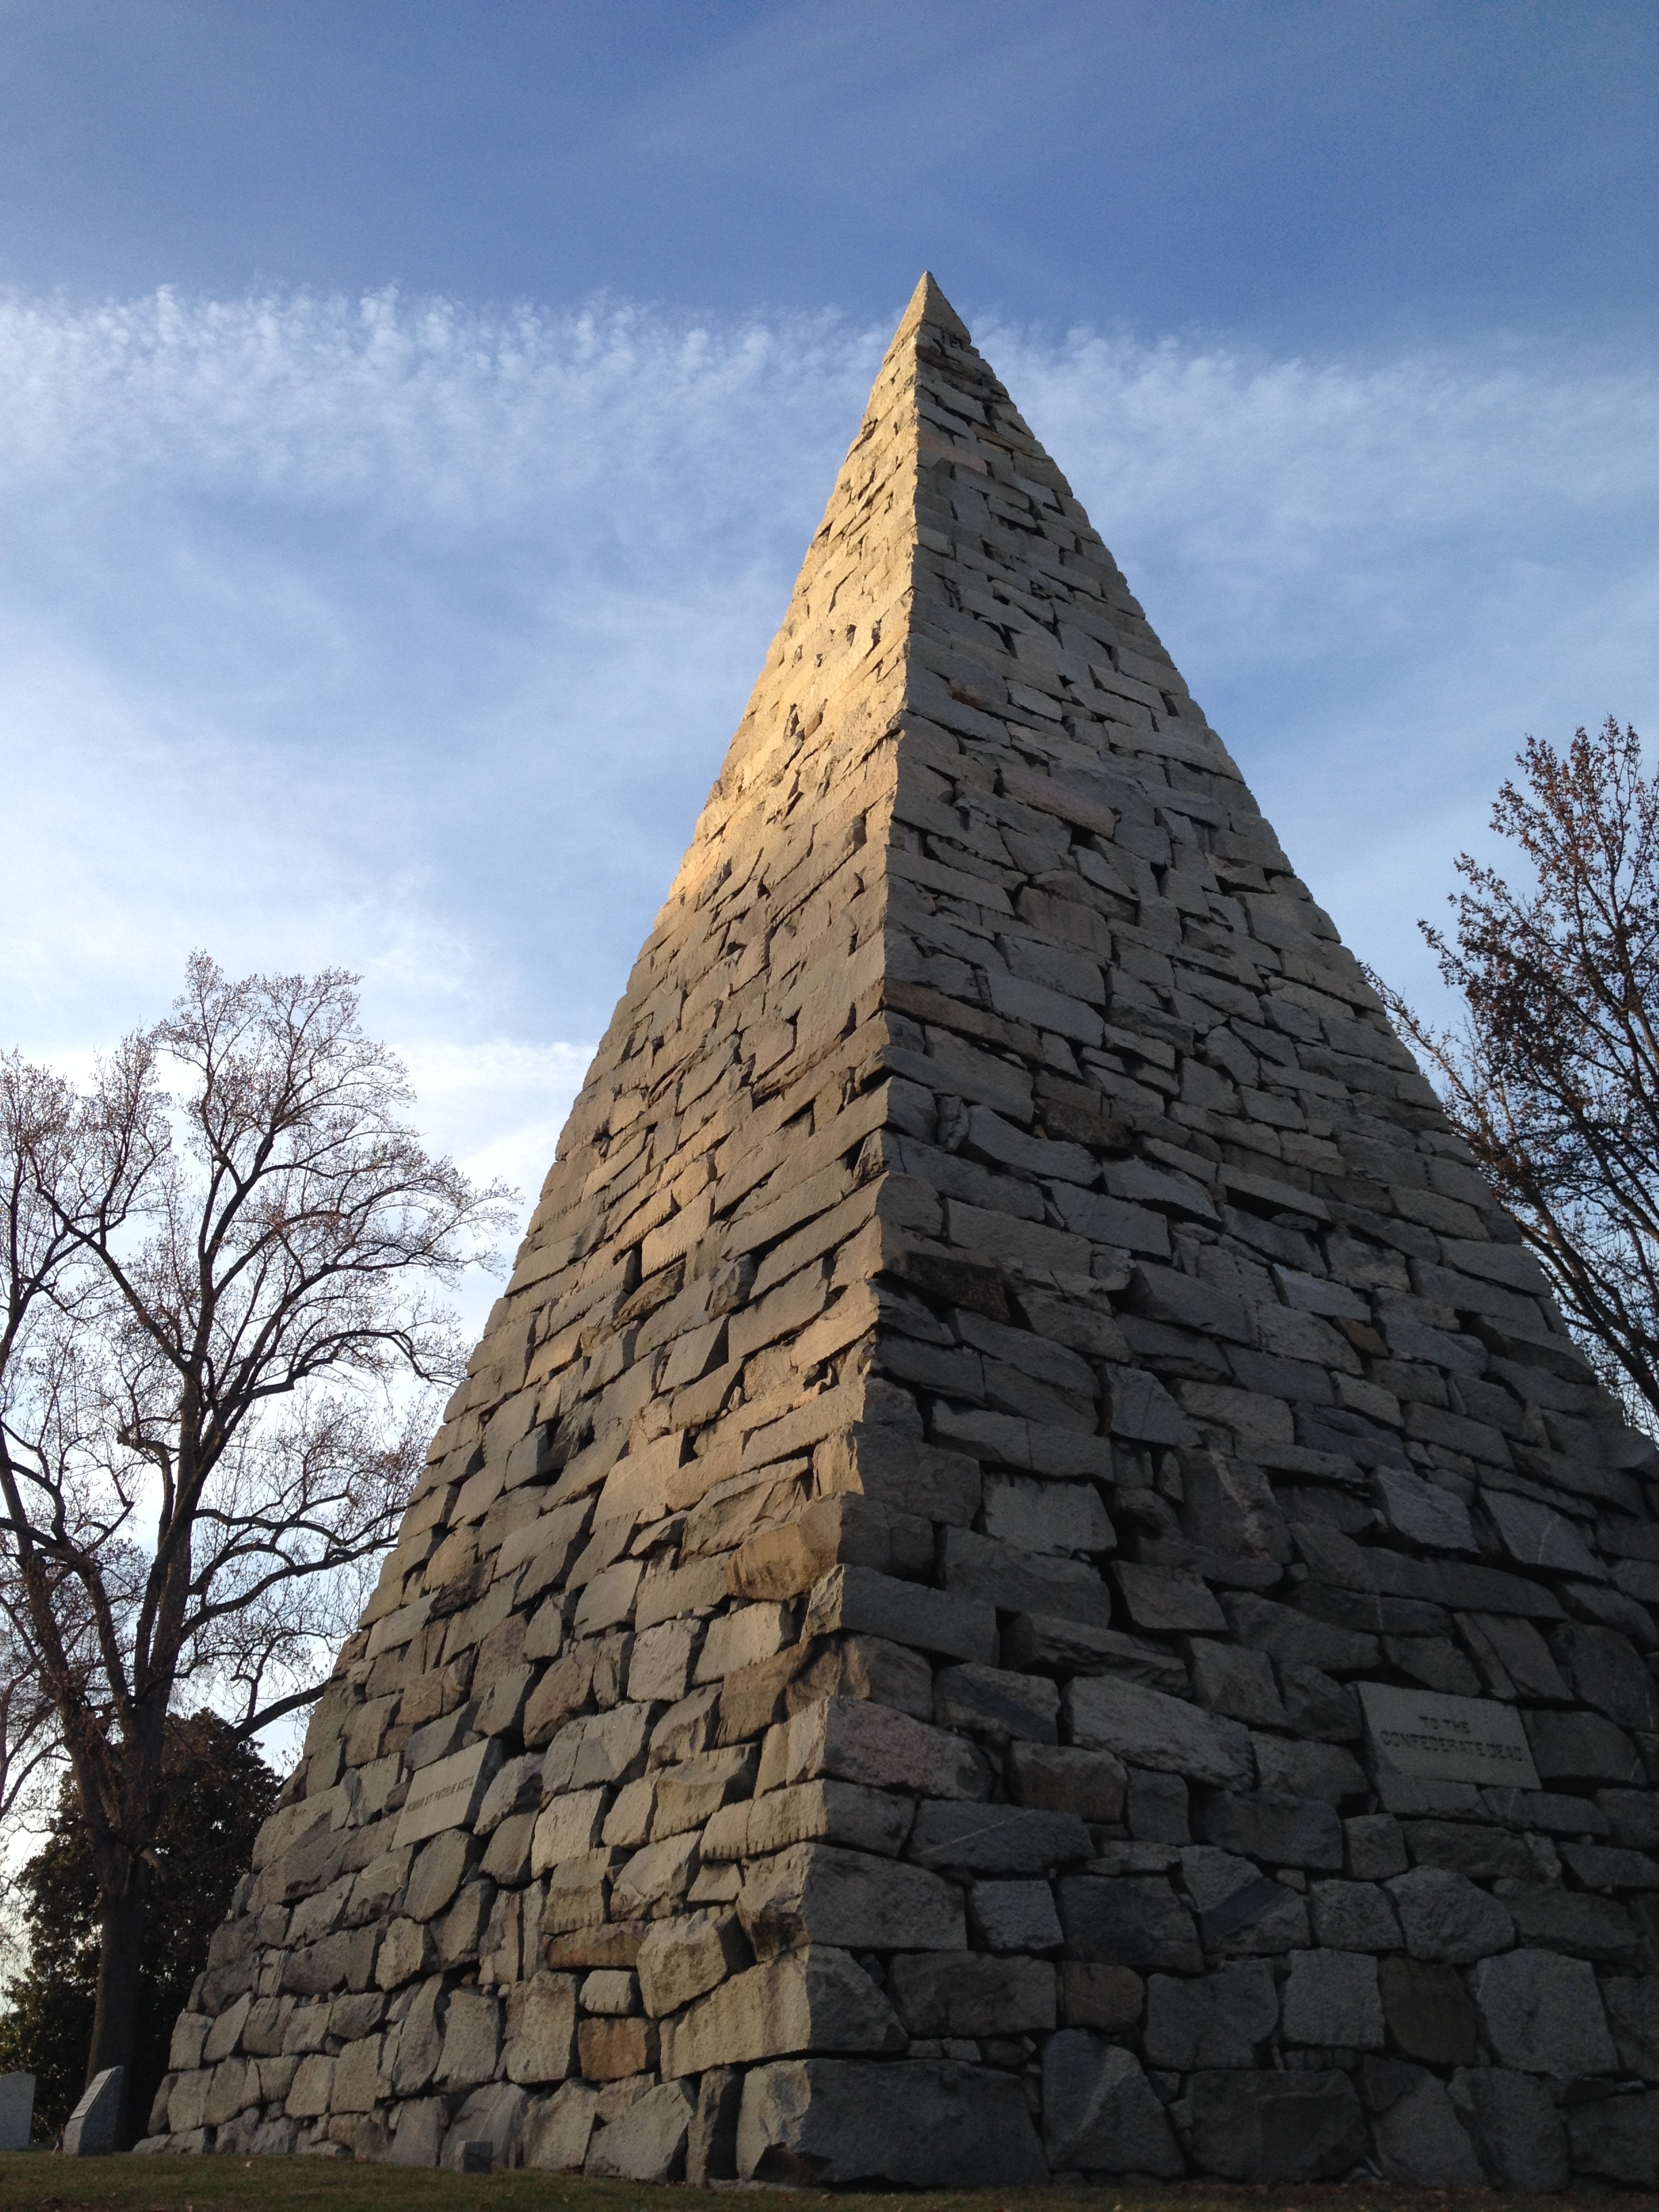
(121, 1931)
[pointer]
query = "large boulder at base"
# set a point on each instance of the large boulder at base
(557, 2129)
(1100, 2112)
(491, 2121)
(647, 2143)
(1517, 2130)
(1421, 2142)
(1617, 2139)
(1276, 2127)
(916, 2123)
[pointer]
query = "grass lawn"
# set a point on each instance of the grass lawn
(36, 2182)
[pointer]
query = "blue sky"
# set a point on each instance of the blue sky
(411, 416)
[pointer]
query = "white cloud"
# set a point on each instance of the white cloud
(403, 636)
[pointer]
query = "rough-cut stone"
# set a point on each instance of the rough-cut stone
(407, 1951)
(647, 2143)
(1090, 1784)
(835, 2123)
(1014, 1915)
(1421, 2142)
(1133, 1922)
(1276, 2127)
(818, 1999)
(1232, 1680)
(486, 2134)
(711, 2142)
(680, 1959)
(1443, 1916)
(1618, 2139)
(1542, 2014)
(1353, 1916)
(420, 2126)
(998, 1706)
(1240, 1909)
(472, 2034)
(1145, 1728)
(541, 2027)
(1423, 1512)
(1110, 1998)
(1582, 1747)
(615, 2050)
(612, 1990)
(1012, 1397)
(1168, 1602)
(1212, 2020)
(439, 1870)
(1374, 1846)
(1566, 1920)
(1428, 2012)
(558, 2128)
(1517, 2132)
(1307, 1770)
(997, 1839)
(1332, 1997)
(356, 2080)
(1632, 2008)
(955, 1626)
(1606, 1671)
(849, 1740)
(815, 1893)
(1298, 1832)
(1099, 2110)
(969, 1994)
(809, 1812)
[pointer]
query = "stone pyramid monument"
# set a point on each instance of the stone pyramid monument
(1026, 1581)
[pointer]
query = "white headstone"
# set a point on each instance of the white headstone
(95, 2124)
(1431, 1736)
(17, 2110)
(446, 1794)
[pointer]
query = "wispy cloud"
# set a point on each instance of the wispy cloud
(393, 633)
(416, 408)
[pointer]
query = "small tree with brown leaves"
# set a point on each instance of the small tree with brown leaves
(1553, 1076)
(216, 1362)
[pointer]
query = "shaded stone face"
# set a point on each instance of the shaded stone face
(1025, 1581)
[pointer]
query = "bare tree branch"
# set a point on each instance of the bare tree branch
(218, 1353)
(1553, 1076)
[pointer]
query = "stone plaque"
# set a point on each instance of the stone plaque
(17, 2110)
(446, 1794)
(93, 2128)
(1427, 1734)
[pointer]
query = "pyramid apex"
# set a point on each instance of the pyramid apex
(929, 305)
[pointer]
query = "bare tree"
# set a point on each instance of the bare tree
(217, 1370)
(1553, 1076)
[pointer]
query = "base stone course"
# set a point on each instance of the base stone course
(1421, 2142)
(1276, 2127)
(1516, 2126)
(648, 2142)
(835, 2123)
(1026, 1581)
